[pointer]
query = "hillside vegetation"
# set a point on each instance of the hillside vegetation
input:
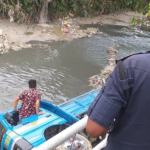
(29, 10)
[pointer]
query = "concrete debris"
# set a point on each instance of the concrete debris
(71, 15)
(64, 30)
(4, 44)
(100, 79)
(46, 25)
(112, 51)
(46, 31)
(11, 15)
(19, 46)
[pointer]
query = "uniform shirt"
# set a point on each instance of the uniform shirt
(29, 98)
(133, 131)
(108, 102)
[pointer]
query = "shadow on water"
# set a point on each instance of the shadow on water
(63, 69)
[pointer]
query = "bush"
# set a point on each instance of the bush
(30, 9)
(24, 10)
(82, 7)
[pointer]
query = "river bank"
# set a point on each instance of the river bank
(63, 69)
(17, 36)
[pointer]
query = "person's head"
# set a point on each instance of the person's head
(32, 83)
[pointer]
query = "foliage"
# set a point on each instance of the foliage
(83, 7)
(30, 9)
(139, 22)
(148, 11)
(61, 8)
(23, 9)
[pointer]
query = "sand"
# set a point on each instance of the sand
(18, 34)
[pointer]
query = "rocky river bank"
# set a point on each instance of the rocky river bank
(15, 36)
(100, 79)
(18, 36)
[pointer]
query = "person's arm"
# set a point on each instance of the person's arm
(37, 105)
(106, 106)
(94, 129)
(15, 103)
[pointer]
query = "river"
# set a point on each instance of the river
(63, 69)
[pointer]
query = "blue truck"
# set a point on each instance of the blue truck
(25, 134)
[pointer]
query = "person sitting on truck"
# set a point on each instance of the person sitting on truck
(30, 101)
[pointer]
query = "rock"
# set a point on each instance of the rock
(60, 19)
(7, 46)
(71, 15)
(148, 25)
(1, 32)
(44, 31)
(27, 45)
(1, 45)
(100, 32)
(45, 46)
(70, 21)
(1, 51)
(46, 25)
(16, 48)
(111, 51)
(11, 15)
(66, 18)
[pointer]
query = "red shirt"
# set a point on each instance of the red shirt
(29, 98)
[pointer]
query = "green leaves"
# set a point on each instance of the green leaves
(61, 8)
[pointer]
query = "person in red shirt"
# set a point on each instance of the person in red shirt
(30, 101)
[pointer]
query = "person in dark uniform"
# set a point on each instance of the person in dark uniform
(132, 130)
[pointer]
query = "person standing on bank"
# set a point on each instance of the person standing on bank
(127, 100)
(30, 101)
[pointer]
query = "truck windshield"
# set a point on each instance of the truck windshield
(2, 132)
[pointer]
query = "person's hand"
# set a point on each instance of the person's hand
(16, 109)
(40, 113)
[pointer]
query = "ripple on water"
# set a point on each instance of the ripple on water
(63, 68)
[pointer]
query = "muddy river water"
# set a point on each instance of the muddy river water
(63, 69)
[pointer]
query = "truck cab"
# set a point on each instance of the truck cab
(16, 134)
(25, 134)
